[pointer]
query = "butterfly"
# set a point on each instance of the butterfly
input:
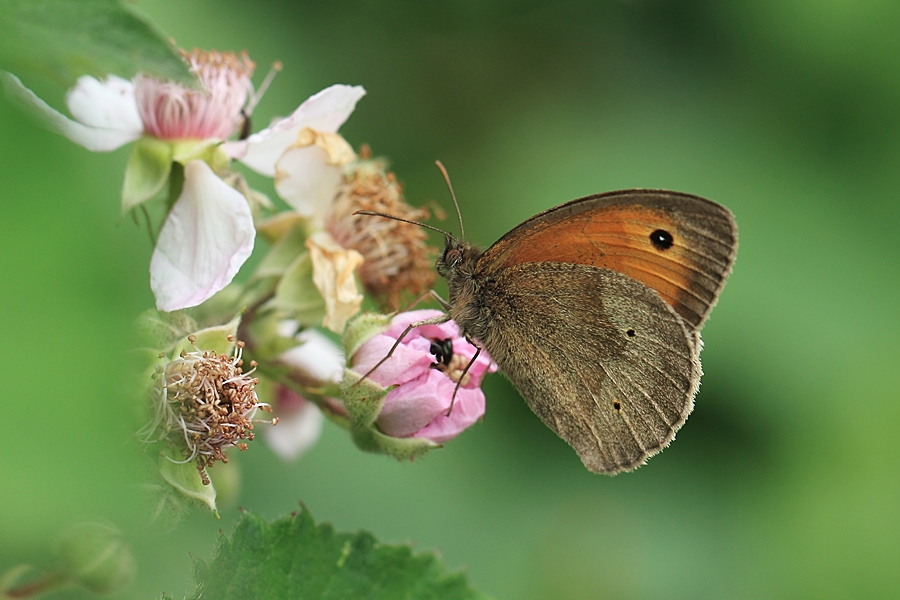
(593, 310)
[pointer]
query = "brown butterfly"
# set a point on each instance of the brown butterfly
(593, 310)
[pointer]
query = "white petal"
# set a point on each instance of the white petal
(93, 138)
(317, 356)
(295, 432)
(325, 111)
(106, 105)
(306, 181)
(205, 239)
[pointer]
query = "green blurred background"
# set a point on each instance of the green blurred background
(784, 483)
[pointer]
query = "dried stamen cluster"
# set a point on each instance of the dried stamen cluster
(204, 403)
(397, 257)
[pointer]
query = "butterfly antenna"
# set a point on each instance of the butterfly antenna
(462, 231)
(387, 216)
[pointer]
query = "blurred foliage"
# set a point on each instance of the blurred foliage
(64, 40)
(783, 483)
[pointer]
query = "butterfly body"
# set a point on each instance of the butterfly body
(593, 311)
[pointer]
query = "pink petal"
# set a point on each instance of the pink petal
(205, 239)
(325, 111)
(95, 139)
(467, 409)
(413, 405)
(404, 364)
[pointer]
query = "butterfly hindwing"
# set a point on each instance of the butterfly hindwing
(599, 357)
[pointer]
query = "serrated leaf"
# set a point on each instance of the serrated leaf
(64, 39)
(293, 557)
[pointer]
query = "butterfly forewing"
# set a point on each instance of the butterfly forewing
(610, 367)
(681, 246)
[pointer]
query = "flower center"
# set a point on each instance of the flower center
(454, 369)
(170, 111)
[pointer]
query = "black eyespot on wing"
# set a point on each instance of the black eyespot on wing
(631, 333)
(617, 405)
(661, 239)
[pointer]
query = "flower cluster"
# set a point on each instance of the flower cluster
(321, 263)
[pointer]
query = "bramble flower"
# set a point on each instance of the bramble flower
(425, 369)
(171, 123)
(203, 403)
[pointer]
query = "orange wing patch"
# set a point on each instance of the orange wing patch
(613, 231)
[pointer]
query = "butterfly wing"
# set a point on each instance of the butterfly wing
(598, 356)
(679, 245)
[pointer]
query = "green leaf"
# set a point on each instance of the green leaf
(147, 171)
(293, 557)
(64, 39)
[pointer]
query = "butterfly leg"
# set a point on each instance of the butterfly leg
(429, 294)
(432, 321)
(463, 375)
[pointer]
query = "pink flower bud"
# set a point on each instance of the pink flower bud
(425, 367)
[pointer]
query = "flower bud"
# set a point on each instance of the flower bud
(418, 381)
(95, 556)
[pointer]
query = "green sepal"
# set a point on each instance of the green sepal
(296, 296)
(361, 329)
(209, 151)
(369, 439)
(161, 330)
(363, 398)
(147, 171)
(284, 252)
(185, 479)
(215, 338)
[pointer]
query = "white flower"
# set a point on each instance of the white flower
(204, 240)
(304, 152)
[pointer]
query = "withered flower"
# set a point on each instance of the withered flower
(203, 403)
(398, 259)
